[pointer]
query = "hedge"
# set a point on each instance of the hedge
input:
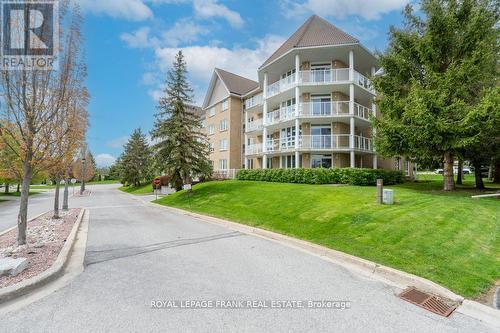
(351, 176)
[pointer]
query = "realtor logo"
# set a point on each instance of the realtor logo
(30, 34)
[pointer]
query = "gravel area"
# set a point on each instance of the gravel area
(45, 239)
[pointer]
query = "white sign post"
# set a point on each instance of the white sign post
(73, 181)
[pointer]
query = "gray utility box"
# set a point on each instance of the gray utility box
(388, 197)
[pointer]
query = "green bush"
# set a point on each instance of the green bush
(351, 176)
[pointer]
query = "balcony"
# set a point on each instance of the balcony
(280, 145)
(334, 142)
(362, 143)
(255, 125)
(331, 109)
(281, 85)
(324, 76)
(254, 149)
(253, 101)
(281, 115)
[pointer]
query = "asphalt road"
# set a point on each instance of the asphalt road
(137, 254)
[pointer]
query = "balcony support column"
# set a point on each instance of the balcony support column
(297, 68)
(264, 161)
(245, 152)
(297, 146)
(351, 143)
(351, 65)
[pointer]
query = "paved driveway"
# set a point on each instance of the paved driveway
(137, 254)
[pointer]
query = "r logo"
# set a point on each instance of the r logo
(29, 32)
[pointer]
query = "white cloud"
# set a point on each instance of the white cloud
(339, 9)
(184, 31)
(202, 59)
(134, 10)
(118, 142)
(139, 39)
(211, 8)
(104, 160)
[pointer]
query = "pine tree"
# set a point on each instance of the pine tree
(437, 70)
(135, 162)
(181, 150)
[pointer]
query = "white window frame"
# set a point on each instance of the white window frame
(211, 147)
(211, 129)
(225, 105)
(211, 111)
(223, 125)
(223, 145)
(223, 164)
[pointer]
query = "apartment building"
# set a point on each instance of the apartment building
(311, 106)
(223, 118)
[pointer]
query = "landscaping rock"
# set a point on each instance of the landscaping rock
(12, 266)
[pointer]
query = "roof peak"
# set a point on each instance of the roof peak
(315, 31)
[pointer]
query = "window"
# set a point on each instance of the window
(288, 162)
(211, 147)
(203, 124)
(211, 129)
(397, 164)
(212, 163)
(321, 161)
(408, 168)
(269, 163)
(211, 112)
(225, 105)
(223, 125)
(223, 164)
(250, 163)
(223, 144)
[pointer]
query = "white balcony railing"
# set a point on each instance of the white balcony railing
(323, 109)
(254, 125)
(253, 149)
(330, 109)
(253, 101)
(280, 145)
(363, 81)
(324, 142)
(313, 142)
(282, 114)
(281, 85)
(318, 77)
(363, 143)
(324, 76)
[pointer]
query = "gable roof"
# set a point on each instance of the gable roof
(316, 31)
(236, 84)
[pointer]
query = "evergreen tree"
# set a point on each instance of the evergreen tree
(135, 162)
(181, 150)
(437, 71)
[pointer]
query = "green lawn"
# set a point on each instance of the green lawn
(50, 187)
(144, 189)
(448, 238)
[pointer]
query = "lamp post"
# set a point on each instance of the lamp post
(82, 187)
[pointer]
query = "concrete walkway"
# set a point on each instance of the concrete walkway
(137, 254)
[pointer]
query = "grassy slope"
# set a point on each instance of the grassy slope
(448, 238)
(144, 189)
(15, 194)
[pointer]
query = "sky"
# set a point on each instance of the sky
(130, 45)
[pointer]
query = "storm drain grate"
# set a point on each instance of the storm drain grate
(427, 301)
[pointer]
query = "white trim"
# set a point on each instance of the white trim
(211, 87)
(316, 47)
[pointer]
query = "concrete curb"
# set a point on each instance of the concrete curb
(24, 287)
(384, 274)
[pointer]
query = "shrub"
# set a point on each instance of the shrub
(351, 176)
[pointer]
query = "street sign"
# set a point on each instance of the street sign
(187, 187)
(157, 181)
(73, 181)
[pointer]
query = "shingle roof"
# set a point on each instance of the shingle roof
(236, 84)
(316, 31)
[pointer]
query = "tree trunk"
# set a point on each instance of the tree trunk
(66, 194)
(22, 218)
(496, 174)
(18, 187)
(478, 175)
(56, 200)
(490, 172)
(460, 171)
(449, 182)
(7, 188)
